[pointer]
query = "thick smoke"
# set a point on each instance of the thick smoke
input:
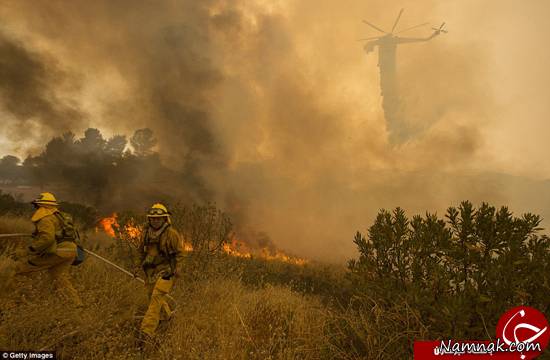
(271, 108)
(29, 83)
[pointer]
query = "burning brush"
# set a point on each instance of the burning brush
(131, 232)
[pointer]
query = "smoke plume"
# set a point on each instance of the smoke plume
(271, 108)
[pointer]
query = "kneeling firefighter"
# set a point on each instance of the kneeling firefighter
(53, 247)
(161, 257)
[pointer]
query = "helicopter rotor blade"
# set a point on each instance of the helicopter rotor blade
(370, 38)
(374, 26)
(412, 27)
(397, 20)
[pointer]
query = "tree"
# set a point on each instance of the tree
(143, 142)
(58, 149)
(92, 142)
(10, 161)
(10, 170)
(115, 146)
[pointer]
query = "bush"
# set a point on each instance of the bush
(207, 229)
(10, 205)
(85, 216)
(460, 274)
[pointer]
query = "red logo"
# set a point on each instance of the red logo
(522, 333)
(524, 325)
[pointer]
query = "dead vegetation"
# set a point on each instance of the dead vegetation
(248, 308)
(217, 316)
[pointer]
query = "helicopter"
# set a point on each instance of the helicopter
(391, 36)
(387, 55)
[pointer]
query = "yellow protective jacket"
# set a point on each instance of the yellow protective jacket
(159, 248)
(46, 226)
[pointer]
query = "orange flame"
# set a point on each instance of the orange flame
(237, 248)
(240, 249)
(109, 224)
(281, 256)
(132, 233)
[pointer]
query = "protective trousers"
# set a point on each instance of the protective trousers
(158, 305)
(57, 265)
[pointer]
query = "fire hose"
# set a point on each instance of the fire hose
(119, 268)
(114, 265)
(14, 235)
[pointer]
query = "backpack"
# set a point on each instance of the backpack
(69, 232)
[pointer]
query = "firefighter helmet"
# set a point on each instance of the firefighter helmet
(158, 210)
(45, 198)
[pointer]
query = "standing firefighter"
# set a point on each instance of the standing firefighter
(53, 247)
(161, 256)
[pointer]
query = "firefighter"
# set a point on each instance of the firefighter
(51, 248)
(161, 257)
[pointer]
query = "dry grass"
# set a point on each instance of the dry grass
(228, 309)
(12, 224)
(223, 319)
(217, 318)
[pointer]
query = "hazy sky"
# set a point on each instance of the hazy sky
(279, 105)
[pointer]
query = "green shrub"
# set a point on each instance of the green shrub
(460, 274)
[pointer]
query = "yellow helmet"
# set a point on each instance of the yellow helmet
(158, 210)
(45, 198)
